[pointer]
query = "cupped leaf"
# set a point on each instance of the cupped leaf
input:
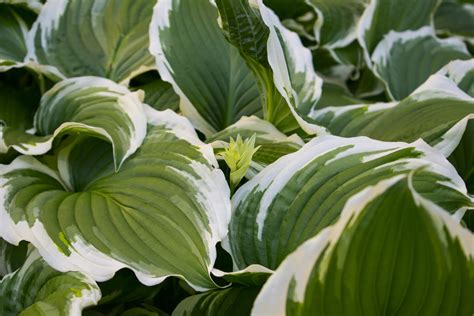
(272, 143)
(11, 257)
(86, 105)
(93, 38)
(438, 111)
(289, 86)
(404, 60)
(37, 289)
(383, 16)
(33, 5)
(337, 21)
(336, 95)
(161, 214)
(215, 86)
(453, 17)
(300, 194)
(236, 300)
(160, 95)
(391, 252)
(289, 9)
(13, 33)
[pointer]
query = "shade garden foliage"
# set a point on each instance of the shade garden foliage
(236, 157)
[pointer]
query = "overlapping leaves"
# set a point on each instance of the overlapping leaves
(103, 176)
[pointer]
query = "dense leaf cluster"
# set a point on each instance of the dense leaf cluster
(236, 157)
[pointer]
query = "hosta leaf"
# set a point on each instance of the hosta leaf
(336, 95)
(97, 38)
(438, 111)
(297, 196)
(403, 61)
(11, 257)
(160, 95)
(236, 300)
(289, 9)
(87, 105)
(383, 16)
(33, 5)
(37, 289)
(391, 252)
(215, 85)
(13, 33)
(455, 18)
(273, 143)
(337, 21)
(161, 214)
(282, 65)
(462, 73)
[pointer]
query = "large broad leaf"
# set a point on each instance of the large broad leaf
(404, 60)
(86, 105)
(97, 38)
(273, 143)
(296, 197)
(13, 33)
(337, 21)
(383, 16)
(215, 85)
(392, 252)
(161, 214)
(289, 86)
(455, 18)
(37, 289)
(438, 111)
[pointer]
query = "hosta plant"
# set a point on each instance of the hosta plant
(236, 157)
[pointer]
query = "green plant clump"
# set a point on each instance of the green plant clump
(236, 157)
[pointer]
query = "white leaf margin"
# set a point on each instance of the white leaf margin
(299, 264)
(214, 195)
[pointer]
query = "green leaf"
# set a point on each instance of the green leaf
(37, 289)
(33, 5)
(336, 95)
(391, 252)
(90, 38)
(11, 257)
(383, 16)
(300, 194)
(337, 21)
(438, 111)
(236, 300)
(215, 86)
(87, 105)
(288, 84)
(160, 215)
(289, 9)
(462, 73)
(160, 95)
(455, 18)
(13, 33)
(403, 61)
